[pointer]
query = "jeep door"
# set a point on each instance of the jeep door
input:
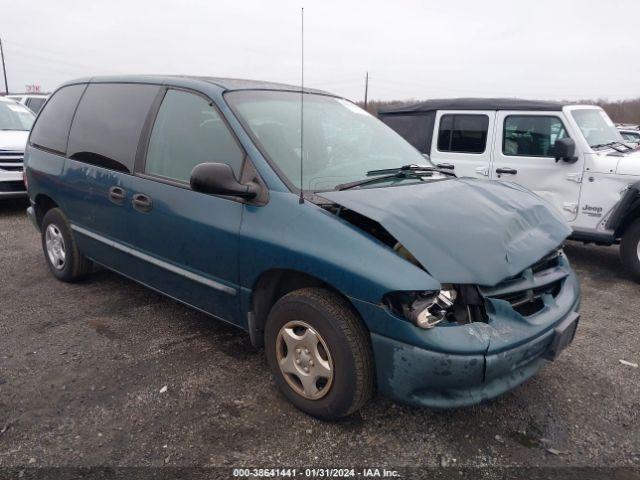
(190, 239)
(524, 154)
(464, 139)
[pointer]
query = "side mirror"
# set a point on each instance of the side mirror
(565, 150)
(219, 179)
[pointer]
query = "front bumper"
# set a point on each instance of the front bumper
(11, 185)
(461, 365)
(440, 380)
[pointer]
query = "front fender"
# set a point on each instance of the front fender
(285, 234)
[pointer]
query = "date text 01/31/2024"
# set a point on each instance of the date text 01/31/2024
(314, 473)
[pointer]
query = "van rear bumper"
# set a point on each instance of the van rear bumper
(31, 213)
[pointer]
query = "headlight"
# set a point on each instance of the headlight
(431, 308)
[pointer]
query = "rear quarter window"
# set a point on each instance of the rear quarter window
(463, 133)
(51, 130)
(415, 129)
(107, 125)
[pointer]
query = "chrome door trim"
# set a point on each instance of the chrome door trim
(159, 263)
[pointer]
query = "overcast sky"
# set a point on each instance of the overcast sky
(546, 49)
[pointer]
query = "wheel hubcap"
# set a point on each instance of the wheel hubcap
(304, 360)
(55, 246)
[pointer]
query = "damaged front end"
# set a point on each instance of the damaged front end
(466, 343)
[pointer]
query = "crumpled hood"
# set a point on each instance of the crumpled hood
(463, 230)
(14, 140)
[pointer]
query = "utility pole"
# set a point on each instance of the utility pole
(4, 69)
(366, 89)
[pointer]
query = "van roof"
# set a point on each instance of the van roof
(473, 104)
(226, 84)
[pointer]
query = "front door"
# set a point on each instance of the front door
(524, 154)
(190, 239)
(464, 139)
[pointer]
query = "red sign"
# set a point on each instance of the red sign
(33, 88)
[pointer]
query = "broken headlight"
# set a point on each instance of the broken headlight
(423, 309)
(460, 304)
(430, 308)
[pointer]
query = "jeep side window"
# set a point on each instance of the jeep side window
(188, 131)
(463, 133)
(531, 135)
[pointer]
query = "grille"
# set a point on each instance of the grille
(11, 161)
(525, 292)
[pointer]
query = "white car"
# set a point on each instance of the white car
(15, 122)
(631, 133)
(33, 101)
(571, 155)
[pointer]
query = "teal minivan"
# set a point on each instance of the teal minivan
(354, 262)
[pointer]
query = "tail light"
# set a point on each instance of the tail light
(24, 179)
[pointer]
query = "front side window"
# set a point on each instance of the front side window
(463, 133)
(341, 141)
(531, 135)
(188, 131)
(596, 127)
(14, 116)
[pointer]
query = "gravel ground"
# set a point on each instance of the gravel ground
(83, 369)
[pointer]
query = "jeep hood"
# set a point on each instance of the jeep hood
(463, 230)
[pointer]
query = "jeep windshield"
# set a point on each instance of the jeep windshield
(597, 128)
(14, 116)
(341, 141)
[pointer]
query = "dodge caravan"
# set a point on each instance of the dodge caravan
(355, 264)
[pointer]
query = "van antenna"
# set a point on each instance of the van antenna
(301, 200)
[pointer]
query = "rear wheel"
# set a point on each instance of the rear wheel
(59, 247)
(630, 249)
(319, 353)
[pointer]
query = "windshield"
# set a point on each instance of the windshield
(596, 127)
(15, 117)
(342, 142)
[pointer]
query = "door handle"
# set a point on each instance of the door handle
(117, 195)
(142, 203)
(510, 171)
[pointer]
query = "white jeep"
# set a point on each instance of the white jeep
(571, 155)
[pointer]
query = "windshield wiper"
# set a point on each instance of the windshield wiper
(406, 171)
(611, 144)
(410, 168)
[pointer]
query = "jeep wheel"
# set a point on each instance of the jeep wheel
(59, 247)
(319, 353)
(630, 249)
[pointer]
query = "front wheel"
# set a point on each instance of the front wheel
(630, 249)
(319, 353)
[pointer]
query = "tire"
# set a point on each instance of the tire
(71, 265)
(348, 352)
(630, 249)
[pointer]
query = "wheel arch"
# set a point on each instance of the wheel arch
(42, 204)
(273, 284)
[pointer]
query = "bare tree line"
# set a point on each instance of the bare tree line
(620, 111)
